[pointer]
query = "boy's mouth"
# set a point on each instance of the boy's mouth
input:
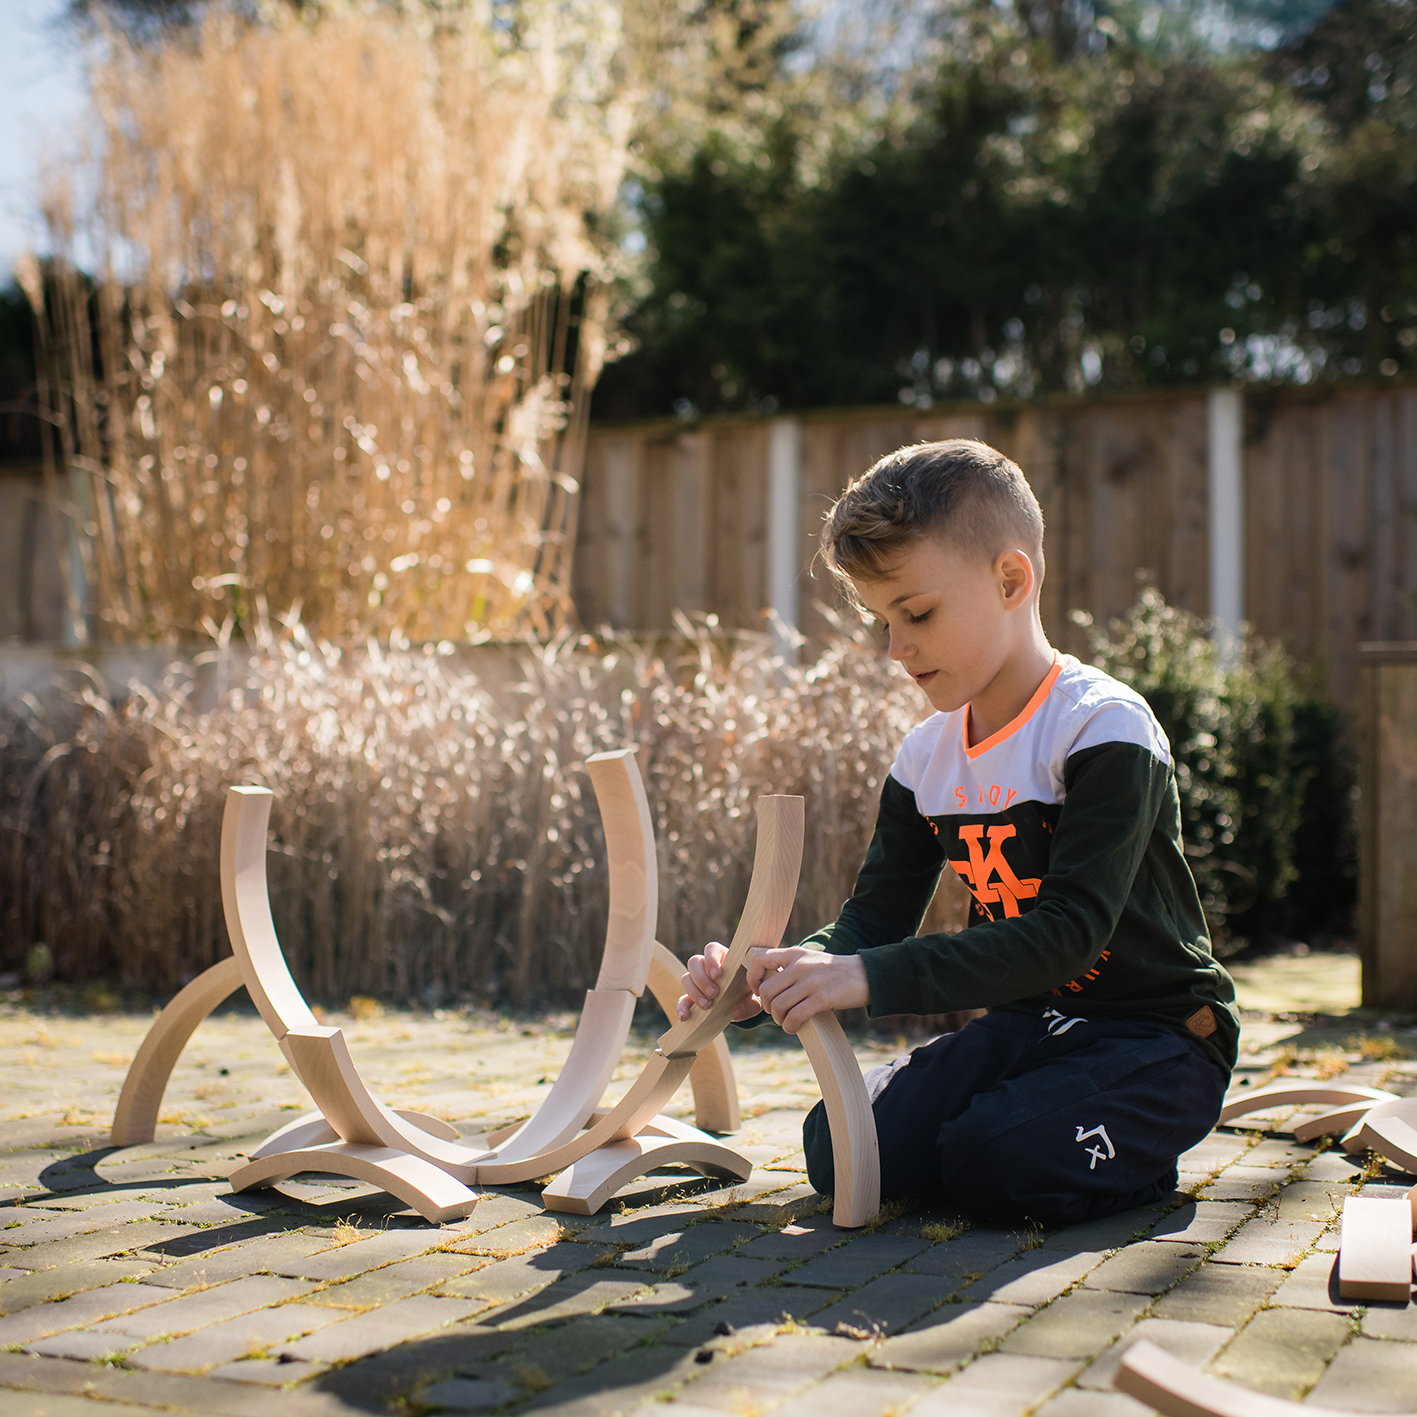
(923, 679)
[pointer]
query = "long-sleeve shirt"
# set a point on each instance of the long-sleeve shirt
(1066, 827)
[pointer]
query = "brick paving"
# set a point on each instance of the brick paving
(133, 1281)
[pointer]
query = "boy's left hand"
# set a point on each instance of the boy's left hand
(796, 984)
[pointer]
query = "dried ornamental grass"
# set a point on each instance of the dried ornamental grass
(434, 833)
(347, 314)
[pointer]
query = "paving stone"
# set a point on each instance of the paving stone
(1273, 1151)
(1313, 1285)
(577, 1347)
(467, 1395)
(267, 1372)
(1242, 1183)
(344, 1260)
(381, 1328)
(1148, 1267)
(1076, 1402)
(888, 1304)
(81, 1222)
(1369, 1376)
(121, 1239)
(1197, 1344)
(678, 1249)
(771, 1373)
(1202, 1222)
(84, 1345)
(1333, 1166)
(278, 1254)
(40, 1320)
(34, 1404)
(1396, 1321)
(798, 1241)
(209, 1306)
(857, 1261)
(1220, 1294)
(583, 1293)
(713, 1279)
(506, 1279)
(498, 1208)
(638, 1227)
(529, 1233)
(60, 1282)
(234, 1338)
(1079, 1325)
(1105, 1234)
(1032, 1278)
(765, 1198)
(948, 1337)
(619, 1385)
(976, 1252)
(463, 1349)
(1283, 1351)
(396, 1281)
(858, 1392)
(1312, 1200)
(996, 1385)
(747, 1309)
(1270, 1242)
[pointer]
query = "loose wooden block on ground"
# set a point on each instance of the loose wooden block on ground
(1375, 1252)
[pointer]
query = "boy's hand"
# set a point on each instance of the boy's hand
(701, 985)
(796, 984)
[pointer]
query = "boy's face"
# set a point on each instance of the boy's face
(950, 616)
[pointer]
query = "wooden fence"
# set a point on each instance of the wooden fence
(678, 517)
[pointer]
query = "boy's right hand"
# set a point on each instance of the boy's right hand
(701, 985)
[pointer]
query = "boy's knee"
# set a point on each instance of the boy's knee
(817, 1147)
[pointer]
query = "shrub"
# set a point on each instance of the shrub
(1264, 774)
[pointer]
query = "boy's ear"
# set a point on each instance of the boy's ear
(1016, 577)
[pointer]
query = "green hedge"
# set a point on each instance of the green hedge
(1266, 774)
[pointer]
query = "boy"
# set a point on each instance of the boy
(1049, 788)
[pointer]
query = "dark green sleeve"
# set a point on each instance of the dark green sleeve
(895, 883)
(1113, 795)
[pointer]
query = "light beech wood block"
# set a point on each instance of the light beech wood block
(313, 1130)
(1389, 1128)
(135, 1118)
(777, 865)
(584, 1186)
(246, 902)
(1375, 1249)
(1175, 1389)
(856, 1154)
(715, 1088)
(1340, 1120)
(634, 870)
(1298, 1094)
(430, 1191)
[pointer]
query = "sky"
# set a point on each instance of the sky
(42, 98)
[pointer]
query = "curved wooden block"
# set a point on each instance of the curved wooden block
(1390, 1129)
(1175, 1389)
(320, 1058)
(777, 864)
(601, 1031)
(584, 1186)
(634, 870)
(715, 1088)
(312, 1129)
(246, 901)
(135, 1118)
(856, 1153)
(1327, 1123)
(431, 1192)
(654, 1087)
(1298, 1094)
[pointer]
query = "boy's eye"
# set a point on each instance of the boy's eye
(917, 619)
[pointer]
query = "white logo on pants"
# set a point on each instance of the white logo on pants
(1095, 1152)
(1061, 1023)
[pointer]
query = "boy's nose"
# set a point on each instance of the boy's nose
(899, 649)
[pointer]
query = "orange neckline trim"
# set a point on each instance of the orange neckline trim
(1029, 709)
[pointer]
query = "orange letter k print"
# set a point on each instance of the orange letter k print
(979, 868)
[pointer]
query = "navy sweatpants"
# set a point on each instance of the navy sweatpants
(1050, 1119)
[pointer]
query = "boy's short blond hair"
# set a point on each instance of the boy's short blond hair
(959, 489)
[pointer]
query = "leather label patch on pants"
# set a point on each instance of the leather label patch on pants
(1202, 1023)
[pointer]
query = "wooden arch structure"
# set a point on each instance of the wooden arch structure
(418, 1158)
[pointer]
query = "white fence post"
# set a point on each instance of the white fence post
(1225, 426)
(784, 531)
